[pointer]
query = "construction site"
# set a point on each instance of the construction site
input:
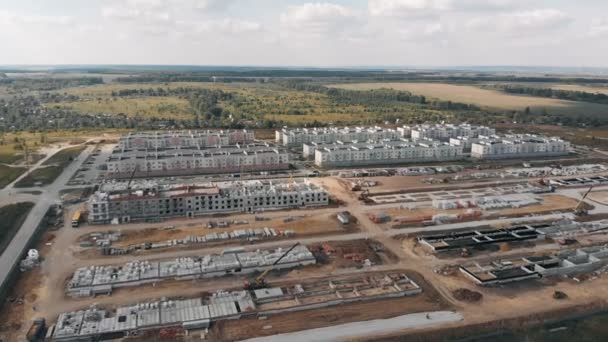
(410, 250)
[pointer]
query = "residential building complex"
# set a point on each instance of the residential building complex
(183, 160)
(153, 201)
(299, 136)
(385, 152)
(518, 146)
(443, 132)
(173, 139)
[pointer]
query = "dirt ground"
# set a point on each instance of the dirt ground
(428, 300)
(337, 254)
(599, 196)
(549, 203)
(305, 226)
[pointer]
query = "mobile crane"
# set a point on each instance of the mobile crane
(260, 281)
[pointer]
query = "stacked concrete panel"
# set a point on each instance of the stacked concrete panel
(136, 273)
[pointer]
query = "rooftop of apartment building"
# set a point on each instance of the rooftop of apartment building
(324, 130)
(514, 139)
(192, 151)
(382, 144)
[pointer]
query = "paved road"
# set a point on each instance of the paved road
(344, 332)
(49, 195)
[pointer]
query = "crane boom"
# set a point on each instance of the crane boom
(577, 209)
(262, 276)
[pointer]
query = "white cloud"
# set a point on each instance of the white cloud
(318, 18)
(12, 18)
(419, 33)
(522, 22)
(226, 26)
(406, 7)
(400, 8)
(599, 27)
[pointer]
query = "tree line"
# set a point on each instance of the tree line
(570, 95)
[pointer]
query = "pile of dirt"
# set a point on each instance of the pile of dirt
(467, 295)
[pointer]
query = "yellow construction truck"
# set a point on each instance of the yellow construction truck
(76, 218)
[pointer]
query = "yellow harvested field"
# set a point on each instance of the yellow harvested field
(482, 97)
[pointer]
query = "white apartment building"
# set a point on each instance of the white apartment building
(386, 152)
(154, 201)
(299, 136)
(519, 146)
(195, 160)
(175, 139)
(443, 132)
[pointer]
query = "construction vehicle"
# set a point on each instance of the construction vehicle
(260, 281)
(76, 218)
(579, 209)
(364, 196)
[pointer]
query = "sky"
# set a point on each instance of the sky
(302, 33)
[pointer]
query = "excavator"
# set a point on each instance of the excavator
(580, 210)
(260, 281)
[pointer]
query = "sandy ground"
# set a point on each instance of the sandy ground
(599, 196)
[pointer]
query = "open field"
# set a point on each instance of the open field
(484, 97)
(157, 106)
(250, 101)
(12, 216)
(12, 153)
(51, 169)
(65, 156)
(9, 174)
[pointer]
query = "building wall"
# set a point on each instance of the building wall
(502, 150)
(387, 155)
(103, 209)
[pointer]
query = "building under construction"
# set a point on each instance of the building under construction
(93, 280)
(125, 162)
(153, 201)
(96, 323)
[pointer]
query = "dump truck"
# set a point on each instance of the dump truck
(76, 218)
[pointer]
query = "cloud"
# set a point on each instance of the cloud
(599, 27)
(406, 7)
(318, 18)
(226, 26)
(522, 22)
(422, 32)
(12, 18)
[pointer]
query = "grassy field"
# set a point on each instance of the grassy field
(251, 101)
(153, 106)
(9, 174)
(12, 216)
(10, 153)
(485, 97)
(65, 156)
(41, 176)
(51, 169)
